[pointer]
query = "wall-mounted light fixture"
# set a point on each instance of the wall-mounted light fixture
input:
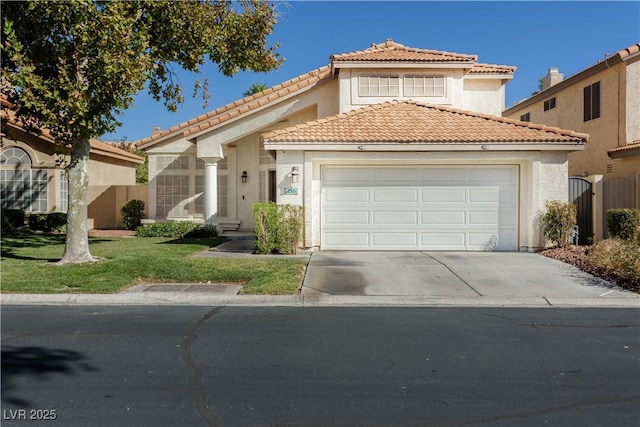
(294, 174)
(244, 176)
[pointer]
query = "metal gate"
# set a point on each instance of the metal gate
(580, 193)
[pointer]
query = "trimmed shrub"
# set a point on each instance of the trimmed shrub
(623, 223)
(56, 221)
(266, 217)
(278, 228)
(132, 213)
(12, 219)
(290, 228)
(38, 222)
(174, 229)
(558, 222)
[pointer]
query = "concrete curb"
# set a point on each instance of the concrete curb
(182, 299)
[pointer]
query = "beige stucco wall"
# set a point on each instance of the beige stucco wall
(105, 202)
(483, 96)
(542, 177)
(104, 173)
(618, 124)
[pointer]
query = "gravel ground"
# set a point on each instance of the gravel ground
(578, 257)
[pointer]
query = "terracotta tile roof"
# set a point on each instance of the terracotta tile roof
(236, 108)
(631, 146)
(492, 69)
(410, 121)
(392, 51)
(97, 147)
(628, 51)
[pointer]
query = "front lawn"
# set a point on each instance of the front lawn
(27, 266)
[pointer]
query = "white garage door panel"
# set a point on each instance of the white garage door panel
(333, 195)
(444, 195)
(443, 217)
(393, 195)
(342, 218)
(419, 208)
(395, 240)
(395, 217)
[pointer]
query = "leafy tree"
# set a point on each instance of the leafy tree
(255, 88)
(74, 66)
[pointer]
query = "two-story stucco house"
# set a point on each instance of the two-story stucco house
(387, 148)
(604, 102)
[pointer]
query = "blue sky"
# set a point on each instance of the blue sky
(533, 36)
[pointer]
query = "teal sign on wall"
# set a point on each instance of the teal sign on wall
(291, 191)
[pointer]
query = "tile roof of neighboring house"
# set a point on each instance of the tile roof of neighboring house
(236, 108)
(410, 121)
(97, 147)
(392, 51)
(617, 57)
(635, 145)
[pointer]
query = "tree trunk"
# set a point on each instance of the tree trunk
(76, 248)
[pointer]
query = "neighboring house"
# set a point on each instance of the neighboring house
(388, 148)
(33, 176)
(604, 102)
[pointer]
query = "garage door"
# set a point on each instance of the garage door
(419, 208)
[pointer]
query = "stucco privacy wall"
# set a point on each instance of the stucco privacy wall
(542, 177)
(105, 202)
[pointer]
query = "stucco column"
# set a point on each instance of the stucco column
(211, 190)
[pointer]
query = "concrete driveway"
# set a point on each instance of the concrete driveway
(457, 276)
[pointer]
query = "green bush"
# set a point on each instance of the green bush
(132, 213)
(173, 229)
(558, 222)
(623, 223)
(12, 219)
(38, 222)
(266, 217)
(278, 227)
(56, 221)
(618, 257)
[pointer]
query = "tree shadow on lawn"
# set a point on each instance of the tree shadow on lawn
(37, 362)
(18, 240)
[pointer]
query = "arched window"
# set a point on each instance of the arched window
(15, 156)
(20, 186)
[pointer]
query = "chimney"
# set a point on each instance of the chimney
(553, 77)
(155, 131)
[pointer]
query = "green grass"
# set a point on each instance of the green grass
(27, 266)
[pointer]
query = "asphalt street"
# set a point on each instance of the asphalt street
(321, 366)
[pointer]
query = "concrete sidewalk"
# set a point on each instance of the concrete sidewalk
(434, 279)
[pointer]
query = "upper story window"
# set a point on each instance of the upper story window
(549, 104)
(592, 101)
(378, 86)
(424, 85)
(526, 117)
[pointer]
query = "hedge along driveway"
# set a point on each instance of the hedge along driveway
(27, 266)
